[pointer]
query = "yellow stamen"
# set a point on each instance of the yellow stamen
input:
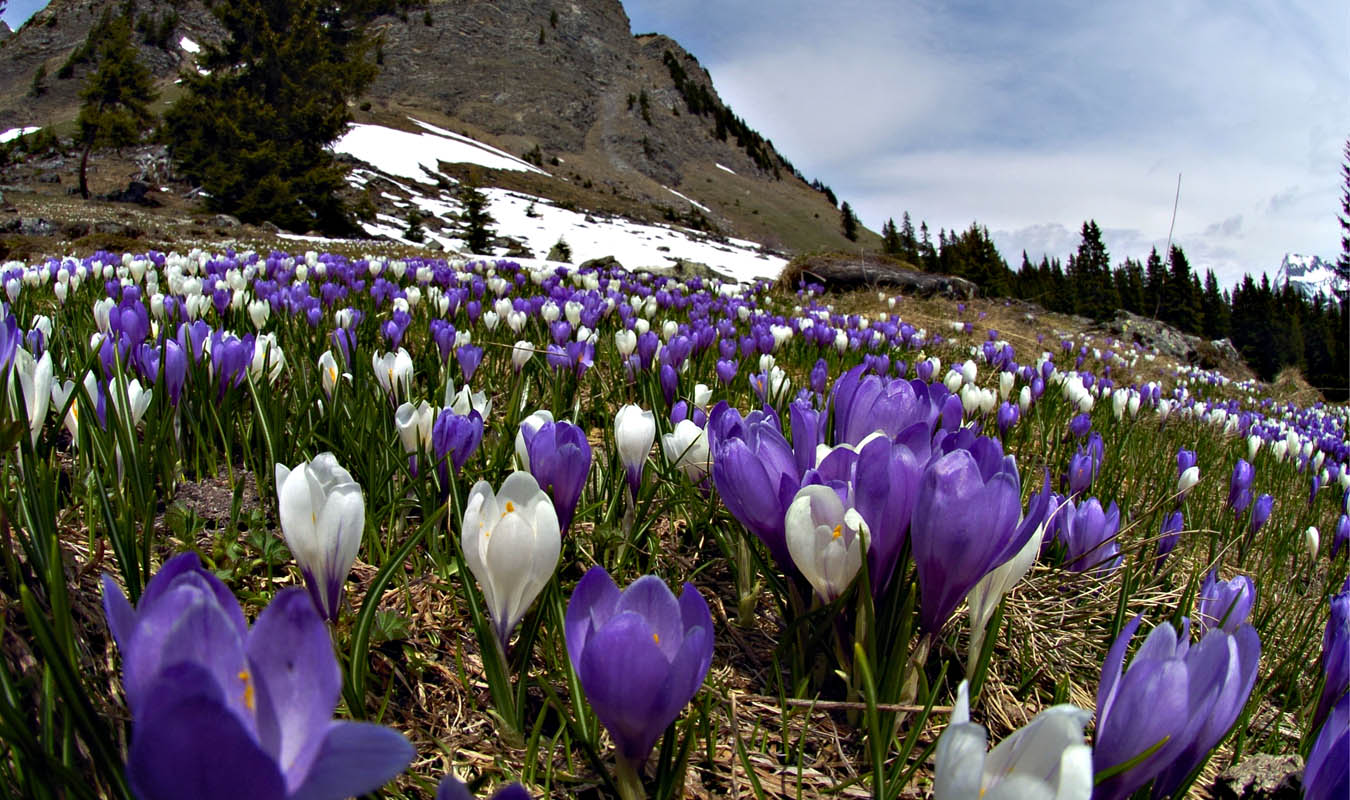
(838, 531)
(248, 689)
(656, 638)
(510, 507)
(332, 374)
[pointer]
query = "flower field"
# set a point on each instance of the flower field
(317, 526)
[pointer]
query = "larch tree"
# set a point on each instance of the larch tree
(117, 94)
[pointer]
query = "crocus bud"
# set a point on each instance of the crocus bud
(323, 514)
(1342, 535)
(1005, 385)
(825, 539)
(1224, 604)
(511, 544)
(625, 341)
(521, 354)
(634, 433)
(1189, 478)
(1240, 486)
(1253, 445)
(1311, 539)
(1261, 512)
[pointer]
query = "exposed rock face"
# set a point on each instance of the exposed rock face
(565, 84)
(1184, 347)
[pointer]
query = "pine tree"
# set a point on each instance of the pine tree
(254, 131)
(1214, 310)
(890, 238)
(1155, 281)
(848, 222)
(474, 219)
(909, 245)
(117, 95)
(1181, 306)
(1343, 263)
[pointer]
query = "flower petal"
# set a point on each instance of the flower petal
(354, 758)
(591, 605)
(296, 680)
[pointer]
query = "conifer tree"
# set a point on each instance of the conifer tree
(909, 245)
(117, 94)
(890, 238)
(474, 219)
(253, 132)
(1343, 263)
(1155, 279)
(848, 222)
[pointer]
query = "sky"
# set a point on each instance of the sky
(1032, 116)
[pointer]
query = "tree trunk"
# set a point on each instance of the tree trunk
(84, 169)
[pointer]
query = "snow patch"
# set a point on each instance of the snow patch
(726, 169)
(14, 133)
(693, 203)
(416, 155)
(189, 45)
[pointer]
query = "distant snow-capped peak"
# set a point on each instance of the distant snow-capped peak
(1309, 274)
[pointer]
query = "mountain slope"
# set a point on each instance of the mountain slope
(621, 124)
(1309, 274)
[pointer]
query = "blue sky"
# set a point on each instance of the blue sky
(1032, 116)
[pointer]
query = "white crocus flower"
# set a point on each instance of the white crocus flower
(323, 515)
(702, 395)
(394, 371)
(138, 401)
(521, 354)
(512, 543)
(825, 539)
(625, 342)
(267, 358)
(414, 426)
(1044, 760)
(35, 383)
(1187, 481)
(686, 447)
(634, 434)
(258, 312)
(1311, 541)
(329, 373)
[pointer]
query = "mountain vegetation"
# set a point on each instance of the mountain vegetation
(255, 123)
(1272, 326)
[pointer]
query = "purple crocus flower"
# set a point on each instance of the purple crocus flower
(469, 357)
(560, 460)
(866, 403)
(1327, 775)
(1260, 512)
(1007, 417)
(1335, 656)
(9, 339)
(1185, 460)
(1224, 604)
(1240, 486)
(1080, 425)
(727, 370)
(1079, 477)
(669, 383)
(880, 480)
(963, 526)
(1089, 537)
(1176, 698)
(640, 654)
(456, 436)
(222, 711)
(1172, 526)
(1342, 535)
(755, 473)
